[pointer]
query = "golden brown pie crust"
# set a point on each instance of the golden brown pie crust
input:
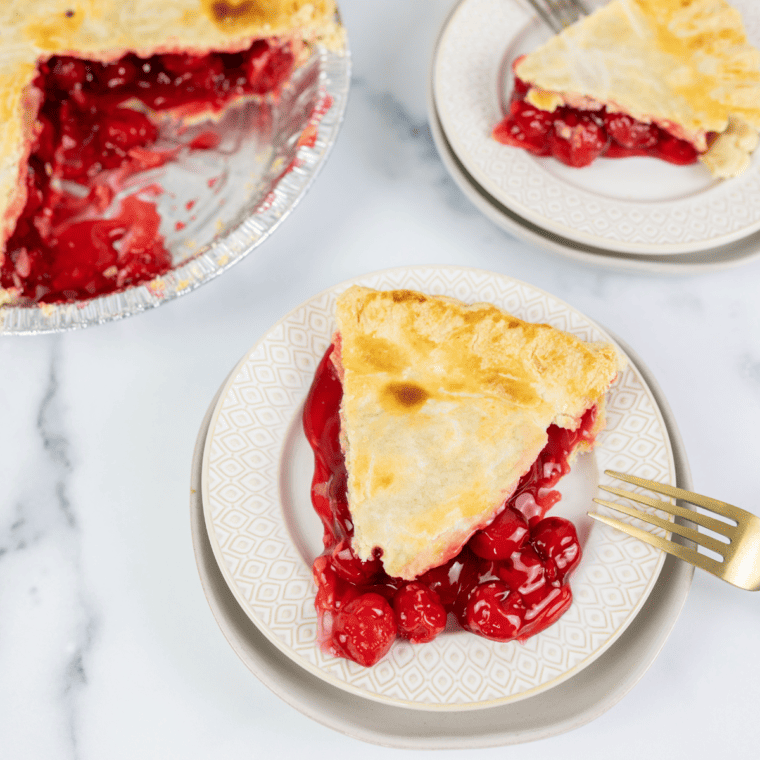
(445, 406)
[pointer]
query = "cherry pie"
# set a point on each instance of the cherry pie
(84, 88)
(439, 431)
(672, 79)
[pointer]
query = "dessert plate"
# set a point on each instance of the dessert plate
(257, 470)
(636, 205)
(218, 205)
(722, 257)
(569, 705)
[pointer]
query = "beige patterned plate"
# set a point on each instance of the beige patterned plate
(257, 469)
(633, 205)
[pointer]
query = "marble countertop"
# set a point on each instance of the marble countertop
(108, 648)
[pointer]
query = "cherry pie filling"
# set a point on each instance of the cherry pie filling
(577, 137)
(92, 133)
(509, 582)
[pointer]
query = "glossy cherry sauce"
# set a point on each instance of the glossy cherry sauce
(90, 140)
(510, 581)
(577, 137)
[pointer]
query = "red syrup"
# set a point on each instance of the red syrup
(90, 140)
(509, 582)
(577, 137)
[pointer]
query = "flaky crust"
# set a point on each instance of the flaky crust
(685, 65)
(34, 30)
(445, 406)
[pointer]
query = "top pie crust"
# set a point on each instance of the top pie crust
(445, 406)
(685, 65)
(104, 30)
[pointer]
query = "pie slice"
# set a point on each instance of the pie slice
(673, 79)
(85, 88)
(439, 431)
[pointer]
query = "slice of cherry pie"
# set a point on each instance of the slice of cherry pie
(672, 79)
(439, 431)
(84, 89)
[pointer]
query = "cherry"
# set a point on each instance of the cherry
(556, 540)
(520, 88)
(183, 64)
(503, 537)
(364, 629)
(419, 612)
(676, 151)
(117, 74)
(68, 73)
(526, 127)
(546, 611)
(123, 129)
(454, 580)
(265, 71)
(352, 569)
(494, 611)
(630, 133)
(577, 138)
(333, 592)
(527, 574)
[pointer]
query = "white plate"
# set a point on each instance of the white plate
(634, 205)
(730, 255)
(256, 483)
(572, 704)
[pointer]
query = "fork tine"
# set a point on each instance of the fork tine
(719, 547)
(547, 16)
(718, 526)
(682, 552)
(720, 507)
(569, 10)
(558, 14)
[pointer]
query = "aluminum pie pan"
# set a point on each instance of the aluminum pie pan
(218, 205)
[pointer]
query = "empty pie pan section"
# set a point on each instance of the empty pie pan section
(256, 482)
(637, 206)
(219, 205)
(569, 705)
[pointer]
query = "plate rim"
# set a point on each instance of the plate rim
(524, 212)
(374, 722)
(314, 668)
(526, 231)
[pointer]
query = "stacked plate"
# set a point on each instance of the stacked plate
(634, 213)
(256, 536)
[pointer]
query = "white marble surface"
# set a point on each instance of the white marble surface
(107, 645)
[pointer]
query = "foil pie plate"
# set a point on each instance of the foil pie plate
(218, 205)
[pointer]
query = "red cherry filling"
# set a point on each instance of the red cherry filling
(577, 137)
(556, 541)
(503, 537)
(364, 629)
(419, 613)
(89, 138)
(495, 612)
(508, 582)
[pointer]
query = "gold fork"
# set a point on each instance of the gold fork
(740, 556)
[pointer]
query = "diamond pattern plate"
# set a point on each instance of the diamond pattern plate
(469, 64)
(251, 533)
